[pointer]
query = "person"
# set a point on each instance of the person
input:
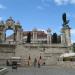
(14, 65)
(40, 57)
(7, 63)
(40, 60)
(29, 57)
(29, 61)
(38, 64)
(35, 61)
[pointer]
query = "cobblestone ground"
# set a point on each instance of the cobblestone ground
(41, 71)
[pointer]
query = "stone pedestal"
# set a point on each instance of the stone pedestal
(48, 36)
(34, 35)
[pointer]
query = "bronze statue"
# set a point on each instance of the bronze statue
(65, 21)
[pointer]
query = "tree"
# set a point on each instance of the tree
(59, 39)
(54, 38)
(29, 37)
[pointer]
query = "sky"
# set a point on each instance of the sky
(40, 14)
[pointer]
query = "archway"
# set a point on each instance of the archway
(9, 35)
(10, 25)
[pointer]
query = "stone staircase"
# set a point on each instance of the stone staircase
(49, 53)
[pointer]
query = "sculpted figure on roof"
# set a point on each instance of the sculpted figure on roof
(65, 21)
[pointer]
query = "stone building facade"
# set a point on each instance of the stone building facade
(48, 45)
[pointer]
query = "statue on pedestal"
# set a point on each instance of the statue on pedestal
(65, 21)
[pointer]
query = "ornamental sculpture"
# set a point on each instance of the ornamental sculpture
(65, 21)
(10, 24)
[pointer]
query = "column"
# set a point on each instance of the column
(68, 36)
(21, 34)
(62, 39)
(49, 36)
(4, 36)
(34, 35)
(18, 36)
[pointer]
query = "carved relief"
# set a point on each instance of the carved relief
(10, 22)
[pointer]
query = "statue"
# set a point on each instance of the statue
(65, 21)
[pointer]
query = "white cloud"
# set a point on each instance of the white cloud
(57, 2)
(64, 2)
(2, 6)
(61, 2)
(44, 4)
(72, 1)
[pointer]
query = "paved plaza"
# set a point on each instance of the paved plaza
(41, 71)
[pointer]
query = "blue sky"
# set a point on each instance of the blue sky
(40, 14)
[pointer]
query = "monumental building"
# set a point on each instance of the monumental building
(33, 43)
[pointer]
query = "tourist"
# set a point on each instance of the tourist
(28, 63)
(14, 65)
(38, 64)
(40, 60)
(7, 63)
(29, 60)
(35, 61)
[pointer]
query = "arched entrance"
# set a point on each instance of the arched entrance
(9, 35)
(10, 24)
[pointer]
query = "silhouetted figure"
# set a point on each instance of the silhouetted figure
(28, 63)
(65, 21)
(38, 64)
(64, 17)
(14, 65)
(7, 63)
(29, 59)
(40, 58)
(35, 62)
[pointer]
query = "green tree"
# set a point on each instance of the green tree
(59, 39)
(54, 38)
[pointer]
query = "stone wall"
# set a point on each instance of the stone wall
(49, 53)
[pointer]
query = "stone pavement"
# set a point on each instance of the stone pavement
(41, 71)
